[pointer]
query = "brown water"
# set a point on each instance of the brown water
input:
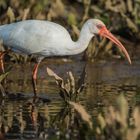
(49, 117)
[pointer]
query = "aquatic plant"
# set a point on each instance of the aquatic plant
(69, 90)
(83, 113)
(118, 122)
(115, 123)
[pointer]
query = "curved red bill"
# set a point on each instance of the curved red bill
(105, 33)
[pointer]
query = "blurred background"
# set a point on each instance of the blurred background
(122, 17)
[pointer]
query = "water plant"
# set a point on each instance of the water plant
(69, 90)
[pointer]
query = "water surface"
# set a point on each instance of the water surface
(49, 117)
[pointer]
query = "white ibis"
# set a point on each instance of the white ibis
(45, 39)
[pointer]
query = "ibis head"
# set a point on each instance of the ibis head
(97, 27)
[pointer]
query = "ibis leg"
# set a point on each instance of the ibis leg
(34, 78)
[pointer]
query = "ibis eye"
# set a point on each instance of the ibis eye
(99, 26)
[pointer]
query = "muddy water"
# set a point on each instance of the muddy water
(105, 80)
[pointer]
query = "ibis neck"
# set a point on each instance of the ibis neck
(82, 43)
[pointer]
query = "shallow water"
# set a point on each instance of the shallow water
(49, 116)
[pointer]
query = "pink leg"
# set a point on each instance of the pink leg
(34, 77)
